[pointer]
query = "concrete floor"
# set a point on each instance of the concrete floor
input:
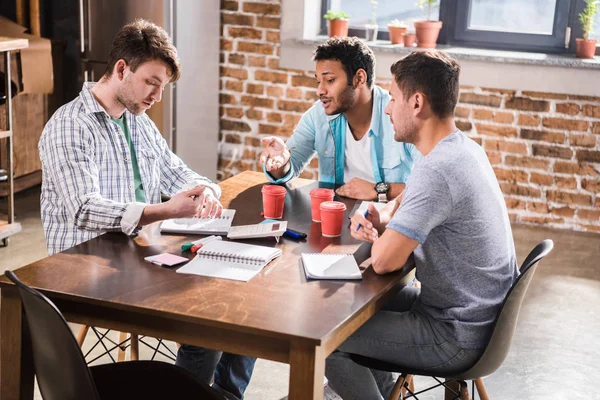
(555, 353)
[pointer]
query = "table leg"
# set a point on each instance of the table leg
(16, 362)
(307, 370)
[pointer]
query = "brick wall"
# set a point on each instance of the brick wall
(544, 147)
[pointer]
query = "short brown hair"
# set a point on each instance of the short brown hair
(142, 41)
(433, 73)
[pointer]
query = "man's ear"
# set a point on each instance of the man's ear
(419, 103)
(360, 78)
(119, 70)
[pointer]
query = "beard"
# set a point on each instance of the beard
(125, 96)
(345, 101)
(406, 132)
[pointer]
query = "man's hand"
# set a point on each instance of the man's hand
(358, 189)
(275, 155)
(368, 231)
(196, 202)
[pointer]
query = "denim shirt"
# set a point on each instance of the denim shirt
(318, 133)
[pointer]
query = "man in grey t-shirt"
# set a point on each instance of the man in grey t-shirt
(453, 218)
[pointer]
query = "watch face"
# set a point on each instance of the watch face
(382, 187)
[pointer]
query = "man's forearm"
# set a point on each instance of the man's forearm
(153, 213)
(395, 190)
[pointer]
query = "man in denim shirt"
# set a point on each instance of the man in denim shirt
(346, 128)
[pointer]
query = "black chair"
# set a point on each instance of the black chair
(495, 352)
(63, 374)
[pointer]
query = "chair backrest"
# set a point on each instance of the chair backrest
(60, 367)
(506, 321)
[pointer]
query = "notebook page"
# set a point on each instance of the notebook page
(330, 266)
(224, 269)
(200, 226)
(240, 251)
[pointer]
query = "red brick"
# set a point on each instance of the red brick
(506, 131)
(238, 73)
(520, 190)
(290, 105)
(307, 81)
(239, 126)
(591, 228)
(566, 124)
(225, 98)
(584, 98)
(268, 22)
(543, 136)
(541, 179)
(566, 212)
(596, 127)
(234, 112)
(505, 146)
(591, 111)
(525, 104)
(274, 117)
(464, 126)
(291, 119)
(480, 99)
(541, 220)
(565, 182)
(514, 204)
(273, 37)
(591, 185)
(537, 207)
(592, 215)
(246, 33)
(314, 163)
(254, 114)
(575, 168)
(273, 63)
(585, 140)
(460, 112)
(310, 95)
(513, 217)
(268, 129)
(569, 198)
(511, 175)
(588, 155)
(306, 174)
(527, 162)
(501, 91)
(545, 95)
(249, 154)
(257, 61)
(293, 93)
(229, 5)
(494, 158)
(254, 88)
(477, 140)
(258, 102)
(252, 141)
(237, 59)
(552, 151)
(270, 76)
(275, 91)
(236, 86)
(482, 114)
(237, 19)
(226, 45)
(529, 120)
(262, 8)
(496, 116)
(250, 47)
(503, 117)
(568, 108)
(233, 138)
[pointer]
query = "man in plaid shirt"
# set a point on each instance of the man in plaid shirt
(105, 165)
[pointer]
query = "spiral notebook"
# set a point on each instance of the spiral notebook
(200, 226)
(330, 266)
(230, 260)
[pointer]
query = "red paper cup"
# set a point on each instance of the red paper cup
(332, 218)
(273, 201)
(317, 196)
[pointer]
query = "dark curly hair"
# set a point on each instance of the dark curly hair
(351, 52)
(142, 41)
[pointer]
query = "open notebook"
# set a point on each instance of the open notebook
(200, 226)
(230, 260)
(330, 266)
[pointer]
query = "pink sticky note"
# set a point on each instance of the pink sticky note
(166, 259)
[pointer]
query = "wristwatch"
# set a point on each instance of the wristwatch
(382, 188)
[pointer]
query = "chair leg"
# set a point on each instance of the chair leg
(121, 351)
(481, 389)
(409, 383)
(398, 387)
(464, 391)
(82, 334)
(135, 349)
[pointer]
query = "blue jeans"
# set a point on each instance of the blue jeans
(231, 372)
(396, 335)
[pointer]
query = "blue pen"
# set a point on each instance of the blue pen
(294, 235)
(365, 215)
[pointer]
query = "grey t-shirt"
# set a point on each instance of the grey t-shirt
(465, 259)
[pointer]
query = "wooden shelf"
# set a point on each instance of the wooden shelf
(7, 229)
(8, 44)
(5, 134)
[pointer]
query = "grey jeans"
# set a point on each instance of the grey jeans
(396, 335)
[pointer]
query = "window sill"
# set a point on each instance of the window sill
(480, 67)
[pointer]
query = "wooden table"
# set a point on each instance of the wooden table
(277, 315)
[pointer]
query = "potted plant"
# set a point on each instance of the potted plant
(372, 28)
(338, 23)
(427, 31)
(584, 47)
(397, 29)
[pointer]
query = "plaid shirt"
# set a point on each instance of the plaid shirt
(87, 184)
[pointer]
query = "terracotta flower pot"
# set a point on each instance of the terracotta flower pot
(409, 39)
(396, 33)
(427, 33)
(585, 48)
(338, 27)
